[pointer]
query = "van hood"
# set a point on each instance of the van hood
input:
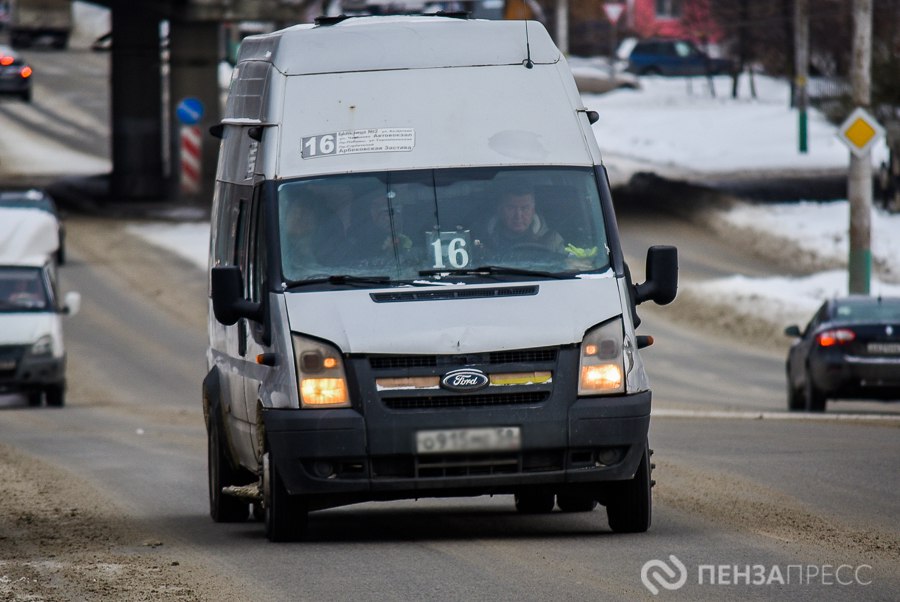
(555, 313)
(25, 328)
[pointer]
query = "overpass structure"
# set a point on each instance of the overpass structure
(139, 93)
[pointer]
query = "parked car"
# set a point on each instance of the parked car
(15, 74)
(37, 199)
(659, 56)
(849, 350)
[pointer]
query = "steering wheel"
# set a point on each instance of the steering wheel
(532, 250)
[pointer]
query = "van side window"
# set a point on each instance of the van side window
(256, 260)
(223, 234)
(242, 246)
(227, 229)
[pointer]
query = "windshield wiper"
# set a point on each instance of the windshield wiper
(493, 270)
(342, 279)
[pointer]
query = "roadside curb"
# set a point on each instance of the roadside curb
(807, 416)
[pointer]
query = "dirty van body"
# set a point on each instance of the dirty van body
(416, 282)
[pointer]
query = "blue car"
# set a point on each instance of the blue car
(674, 57)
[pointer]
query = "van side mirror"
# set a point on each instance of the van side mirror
(71, 303)
(661, 285)
(217, 131)
(229, 304)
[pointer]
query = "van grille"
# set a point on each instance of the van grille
(465, 401)
(467, 465)
(10, 355)
(393, 362)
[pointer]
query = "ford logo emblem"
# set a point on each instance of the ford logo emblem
(465, 379)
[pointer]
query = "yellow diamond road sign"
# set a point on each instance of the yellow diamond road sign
(860, 131)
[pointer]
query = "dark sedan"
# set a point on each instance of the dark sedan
(849, 350)
(15, 74)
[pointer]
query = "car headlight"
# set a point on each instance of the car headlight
(601, 370)
(43, 346)
(320, 375)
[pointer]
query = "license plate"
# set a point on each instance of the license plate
(884, 348)
(7, 364)
(501, 438)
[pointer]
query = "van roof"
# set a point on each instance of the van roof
(27, 237)
(400, 42)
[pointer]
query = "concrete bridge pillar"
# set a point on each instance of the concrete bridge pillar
(136, 115)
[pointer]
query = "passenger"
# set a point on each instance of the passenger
(517, 224)
(312, 237)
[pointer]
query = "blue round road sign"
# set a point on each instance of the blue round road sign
(189, 111)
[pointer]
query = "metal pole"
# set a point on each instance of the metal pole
(859, 181)
(801, 68)
(612, 50)
(562, 25)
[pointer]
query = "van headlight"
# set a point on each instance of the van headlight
(43, 346)
(320, 375)
(601, 370)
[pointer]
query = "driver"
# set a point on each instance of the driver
(518, 224)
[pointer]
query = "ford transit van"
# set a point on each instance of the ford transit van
(416, 282)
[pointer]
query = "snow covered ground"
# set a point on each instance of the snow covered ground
(677, 123)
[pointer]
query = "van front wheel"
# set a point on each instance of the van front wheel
(534, 503)
(285, 515)
(222, 508)
(629, 507)
(576, 502)
(56, 396)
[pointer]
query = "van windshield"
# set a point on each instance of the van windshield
(22, 289)
(414, 224)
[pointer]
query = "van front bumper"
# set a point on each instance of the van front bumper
(320, 453)
(20, 371)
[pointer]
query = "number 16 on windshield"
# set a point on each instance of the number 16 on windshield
(452, 250)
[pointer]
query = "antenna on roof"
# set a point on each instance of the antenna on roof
(528, 62)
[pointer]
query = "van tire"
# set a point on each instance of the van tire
(576, 502)
(56, 396)
(534, 503)
(222, 508)
(629, 508)
(34, 399)
(286, 515)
